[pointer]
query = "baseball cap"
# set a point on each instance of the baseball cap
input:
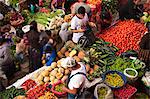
(68, 62)
(26, 28)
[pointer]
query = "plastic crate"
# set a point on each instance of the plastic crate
(125, 92)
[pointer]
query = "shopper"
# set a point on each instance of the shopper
(76, 79)
(35, 53)
(144, 52)
(58, 4)
(6, 58)
(79, 24)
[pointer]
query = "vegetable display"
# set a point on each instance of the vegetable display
(101, 53)
(11, 93)
(28, 84)
(37, 91)
(120, 64)
(48, 95)
(102, 92)
(114, 80)
(125, 35)
(52, 74)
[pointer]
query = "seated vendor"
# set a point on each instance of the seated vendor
(144, 52)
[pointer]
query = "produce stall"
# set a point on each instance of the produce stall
(111, 62)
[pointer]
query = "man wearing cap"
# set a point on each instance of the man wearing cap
(76, 79)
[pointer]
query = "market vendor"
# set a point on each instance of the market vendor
(144, 52)
(126, 9)
(76, 79)
(79, 24)
(58, 4)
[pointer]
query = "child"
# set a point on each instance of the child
(65, 32)
(49, 53)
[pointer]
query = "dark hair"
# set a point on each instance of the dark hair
(48, 49)
(2, 40)
(81, 10)
(148, 26)
(19, 33)
(33, 26)
(48, 32)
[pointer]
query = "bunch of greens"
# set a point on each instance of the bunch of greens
(11, 93)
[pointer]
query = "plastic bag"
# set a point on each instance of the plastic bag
(109, 94)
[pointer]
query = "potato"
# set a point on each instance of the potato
(40, 78)
(52, 78)
(53, 72)
(35, 76)
(56, 69)
(46, 79)
(41, 82)
(49, 68)
(53, 65)
(61, 70)
(45, 73)
(55, 80)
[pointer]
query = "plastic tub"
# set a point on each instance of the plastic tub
(131, 77)
(119, 73)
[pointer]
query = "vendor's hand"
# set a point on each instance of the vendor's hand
(63, 9)
(64, 89)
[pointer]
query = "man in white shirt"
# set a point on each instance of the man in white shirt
(77, 77)
(79, 24)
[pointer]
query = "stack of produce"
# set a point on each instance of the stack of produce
(121, 64)
(28, 84)
(11, 93)
(52, 74)
(48, 95)
(125, 92)
(37, 91)
(96, 57)
(125, 35)
(45, 19)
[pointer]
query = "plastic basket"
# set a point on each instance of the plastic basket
(125, 92)
(119, 73)
(59, 94)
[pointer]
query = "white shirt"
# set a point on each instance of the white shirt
(77, 23)
(77, 80)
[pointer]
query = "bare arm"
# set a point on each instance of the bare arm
(74, 91)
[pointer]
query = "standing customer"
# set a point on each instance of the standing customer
(77, 77)
(35, 48)
(144, 52)
(79, 24)
(7, 66)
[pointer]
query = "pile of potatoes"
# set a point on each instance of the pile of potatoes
(52, 74)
